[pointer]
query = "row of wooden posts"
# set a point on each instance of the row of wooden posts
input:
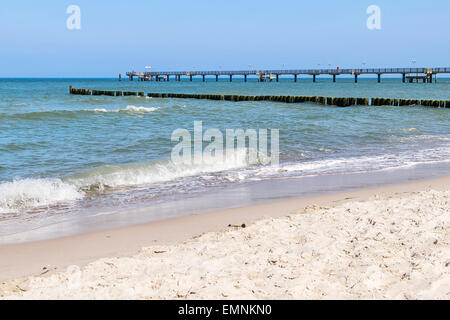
(340, 102)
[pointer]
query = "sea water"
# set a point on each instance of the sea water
(65, 159)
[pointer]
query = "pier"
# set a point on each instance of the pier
(407, 74)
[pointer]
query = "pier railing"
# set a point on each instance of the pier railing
(297, 71)
(264, 75)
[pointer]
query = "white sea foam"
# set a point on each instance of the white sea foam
(130, 108)
(403, 159)
(141, 109)
(26, 193)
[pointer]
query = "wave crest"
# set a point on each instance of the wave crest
(27, 193)
(153, 172)
(50, 114)
(129, 108)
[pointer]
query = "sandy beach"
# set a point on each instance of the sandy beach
(384, 243)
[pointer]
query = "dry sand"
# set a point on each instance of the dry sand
(386, 243)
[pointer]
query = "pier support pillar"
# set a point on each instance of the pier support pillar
(120, 77)
(278, 77)
(131, 78)
(403, 77)
(379, 77)
(295, 78)
(204, 78)
(334, 78)
(217, 77)
(356, 78)
(168, 78)
(245, 78)
(314, 78)
(190, 78)
(231, 78)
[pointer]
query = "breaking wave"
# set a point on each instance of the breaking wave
(29, 193)
(129, 108)
(26, 193)
(163, 175)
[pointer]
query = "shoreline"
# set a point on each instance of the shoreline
(50, 256)
(219, 198)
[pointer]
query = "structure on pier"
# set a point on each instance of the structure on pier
(427, 78)
(425, 74)
(263, 76)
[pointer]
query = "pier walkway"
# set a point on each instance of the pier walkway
(426, 74)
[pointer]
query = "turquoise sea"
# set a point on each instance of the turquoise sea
(73, 163)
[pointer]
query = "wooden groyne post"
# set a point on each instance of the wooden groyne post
(331, 101)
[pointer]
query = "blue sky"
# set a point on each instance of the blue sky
(116, 36)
